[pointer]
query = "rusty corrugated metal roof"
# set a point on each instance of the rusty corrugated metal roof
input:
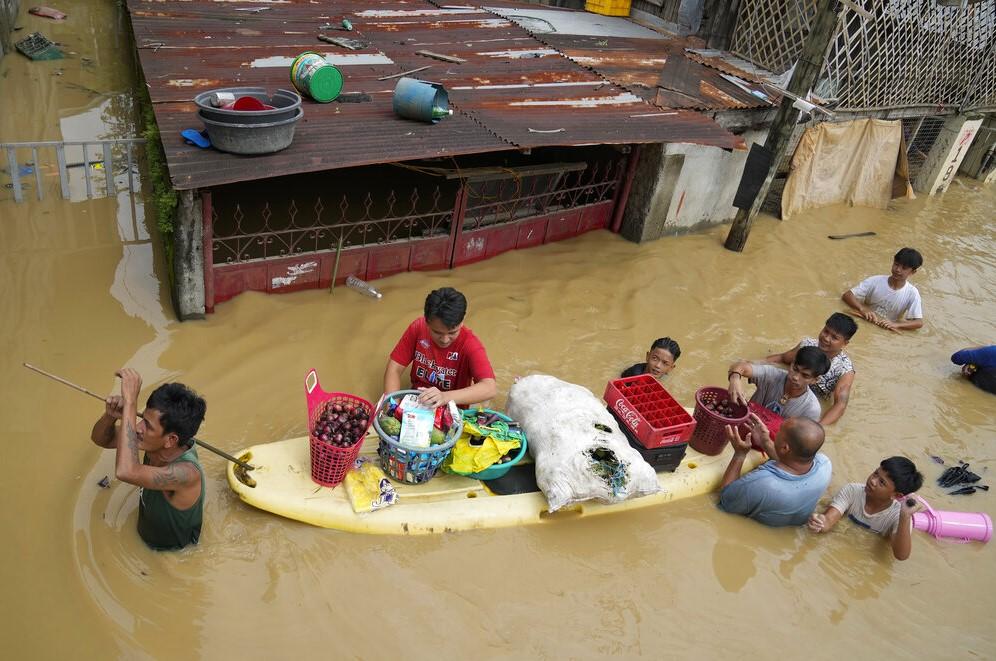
(659, 71)
(511, 92)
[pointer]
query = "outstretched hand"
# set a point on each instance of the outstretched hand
(759, 433)
(736, 392)
(740, 444)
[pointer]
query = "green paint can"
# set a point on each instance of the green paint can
(313, 76)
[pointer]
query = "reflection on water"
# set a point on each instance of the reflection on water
(82, 292)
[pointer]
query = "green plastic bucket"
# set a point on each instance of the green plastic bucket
(313, 76)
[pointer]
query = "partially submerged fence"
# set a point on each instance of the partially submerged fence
(88, 168)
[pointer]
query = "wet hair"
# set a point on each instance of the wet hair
(843, 324)
(181, 410)
(909, 257)
(903, 474)
(985, 378)
(812, 359)
(805, 437)
(446, 304)
(668, 345)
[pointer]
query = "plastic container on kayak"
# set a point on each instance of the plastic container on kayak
(417, 99)
(252, 138)
(314, 76)
(709, 436)
(494, 471)
(285, 104)
(406, 464)
(653, 416)
(330, 463)
(964, 526)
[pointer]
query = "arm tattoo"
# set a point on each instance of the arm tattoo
(132, 439)
(170, 476)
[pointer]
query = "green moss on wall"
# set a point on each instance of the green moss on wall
(164, 197)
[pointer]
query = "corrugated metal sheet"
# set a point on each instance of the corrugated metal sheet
(660, 71)
(512, 92)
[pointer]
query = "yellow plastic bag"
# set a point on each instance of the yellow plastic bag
(467, 458)
(368, 487)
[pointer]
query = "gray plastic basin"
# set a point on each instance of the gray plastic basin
(252, 138)
(285, 105)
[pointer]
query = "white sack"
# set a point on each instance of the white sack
(559, 419)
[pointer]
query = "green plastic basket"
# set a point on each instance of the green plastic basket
(494, 471)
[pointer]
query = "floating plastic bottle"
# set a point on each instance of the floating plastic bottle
(363, 287)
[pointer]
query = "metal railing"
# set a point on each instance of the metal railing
(260, 232)
(102, 155)
(515, 196)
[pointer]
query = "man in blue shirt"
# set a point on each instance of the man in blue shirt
(784, 490)
(978, 364)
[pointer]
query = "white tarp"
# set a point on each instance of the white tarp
(852, 162)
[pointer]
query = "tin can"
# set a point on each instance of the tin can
(312, 75)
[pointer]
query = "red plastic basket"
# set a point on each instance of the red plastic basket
(710, 432)
(652, 415)
(771, 420)
(329, 463)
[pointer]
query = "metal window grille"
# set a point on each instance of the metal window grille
(260, 232)
(920, 134)
(512, 198)
(907, 53)
(253, 229)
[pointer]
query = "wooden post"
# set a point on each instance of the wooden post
(721, 20)
(807, 70)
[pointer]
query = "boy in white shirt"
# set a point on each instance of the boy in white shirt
(886, 300)
(876, 505)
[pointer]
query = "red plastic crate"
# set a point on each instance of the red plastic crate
(652, 415)
(771, 420)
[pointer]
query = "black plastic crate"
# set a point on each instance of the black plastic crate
(663, 460)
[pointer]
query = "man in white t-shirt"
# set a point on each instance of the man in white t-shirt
(885, 300)
(876, 505)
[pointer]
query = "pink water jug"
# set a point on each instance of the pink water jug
(966, 526)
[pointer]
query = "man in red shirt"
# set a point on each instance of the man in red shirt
(448, 362)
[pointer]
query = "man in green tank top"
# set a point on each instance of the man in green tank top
(171, 502)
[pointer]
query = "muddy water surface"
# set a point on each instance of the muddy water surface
(81, 290)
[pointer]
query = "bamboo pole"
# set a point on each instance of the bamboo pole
(206, 446)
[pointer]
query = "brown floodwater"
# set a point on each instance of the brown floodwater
(83, 293)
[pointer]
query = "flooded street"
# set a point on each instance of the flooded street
(83, 292)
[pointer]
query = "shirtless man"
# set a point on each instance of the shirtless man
(171, 499)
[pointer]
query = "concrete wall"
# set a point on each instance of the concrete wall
(8, 17)
(681, 187)
(941, 165)
(188, 258)
(980, 160)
